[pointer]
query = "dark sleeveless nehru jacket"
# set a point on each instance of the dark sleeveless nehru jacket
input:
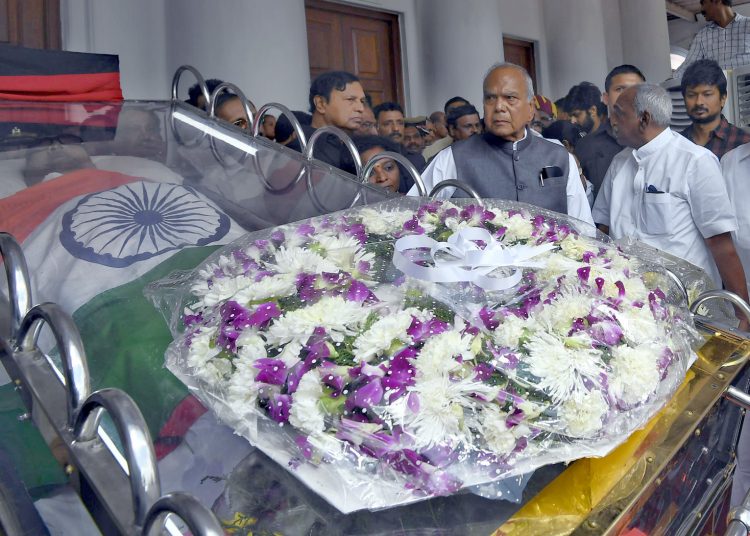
(497, 170)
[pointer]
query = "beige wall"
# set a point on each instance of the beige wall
(446, 44)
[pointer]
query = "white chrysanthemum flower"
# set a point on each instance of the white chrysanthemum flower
(455, 224)
(382, 333)
(575, 246)
(242, 389)
(618, 263)
(341, 250)
(442, 403)
(383, 223)
(250, 345)
(638, 325)
(510, 330)
(201, 350)
(557, 264)
(338, 316)
(560, 314)
(561, 370)
(635, 372)
(583, 416)
(297, 260)
(517, 227)
(215, 371)
(290, 354)
(306, 412)
(437, 356)
(500, 439)
(273, 286)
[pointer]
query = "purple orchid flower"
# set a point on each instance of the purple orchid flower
(263, 314)
(606, 333)
(305, 447)
(399, 375)
(421, 331)
(366, 396)
(305, 230)
(278, 408)
(483, 372)
(278, 237)
(487, 316)
(271, 371)
(306, 287)
(583, 273)
(587, 256)
(413, 226)
(515, 418)
(428, 208)
(359, 292)
(191, 320)
(295, 375)
(657, 309)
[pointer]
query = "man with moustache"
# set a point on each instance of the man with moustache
(704, 89)
(336, 99)
(597, 150)
(507, 161)
(668, 192)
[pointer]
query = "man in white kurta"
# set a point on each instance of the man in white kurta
(735, 166)
(666, 191)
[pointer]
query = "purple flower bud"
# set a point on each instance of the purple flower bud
(583, 273)
(599, 284)
(587, 256)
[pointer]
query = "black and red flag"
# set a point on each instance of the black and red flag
(57, 75)
(44, 93)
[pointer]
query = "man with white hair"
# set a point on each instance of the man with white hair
(507, 161)
(667, 191)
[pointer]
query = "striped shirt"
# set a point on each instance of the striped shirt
(729, 46)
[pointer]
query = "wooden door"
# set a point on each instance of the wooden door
(361, 41)
(521, 53)
(30, 23)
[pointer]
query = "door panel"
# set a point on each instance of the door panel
(361, 41)
(521, 53)
(30, 23)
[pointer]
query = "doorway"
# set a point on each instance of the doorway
(521, 53)
(361, 41)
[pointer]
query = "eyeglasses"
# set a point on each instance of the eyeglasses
(241, 123)
(62, 139)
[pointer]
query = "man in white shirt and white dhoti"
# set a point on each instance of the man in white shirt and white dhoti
(668, 192)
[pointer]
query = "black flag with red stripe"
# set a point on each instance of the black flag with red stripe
(54, 75)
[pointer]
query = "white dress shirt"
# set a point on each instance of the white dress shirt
(669, 194)
(443, 167)
(735, 166)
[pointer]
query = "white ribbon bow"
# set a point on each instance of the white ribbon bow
(461, 259)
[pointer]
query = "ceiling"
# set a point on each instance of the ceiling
(687, 9)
